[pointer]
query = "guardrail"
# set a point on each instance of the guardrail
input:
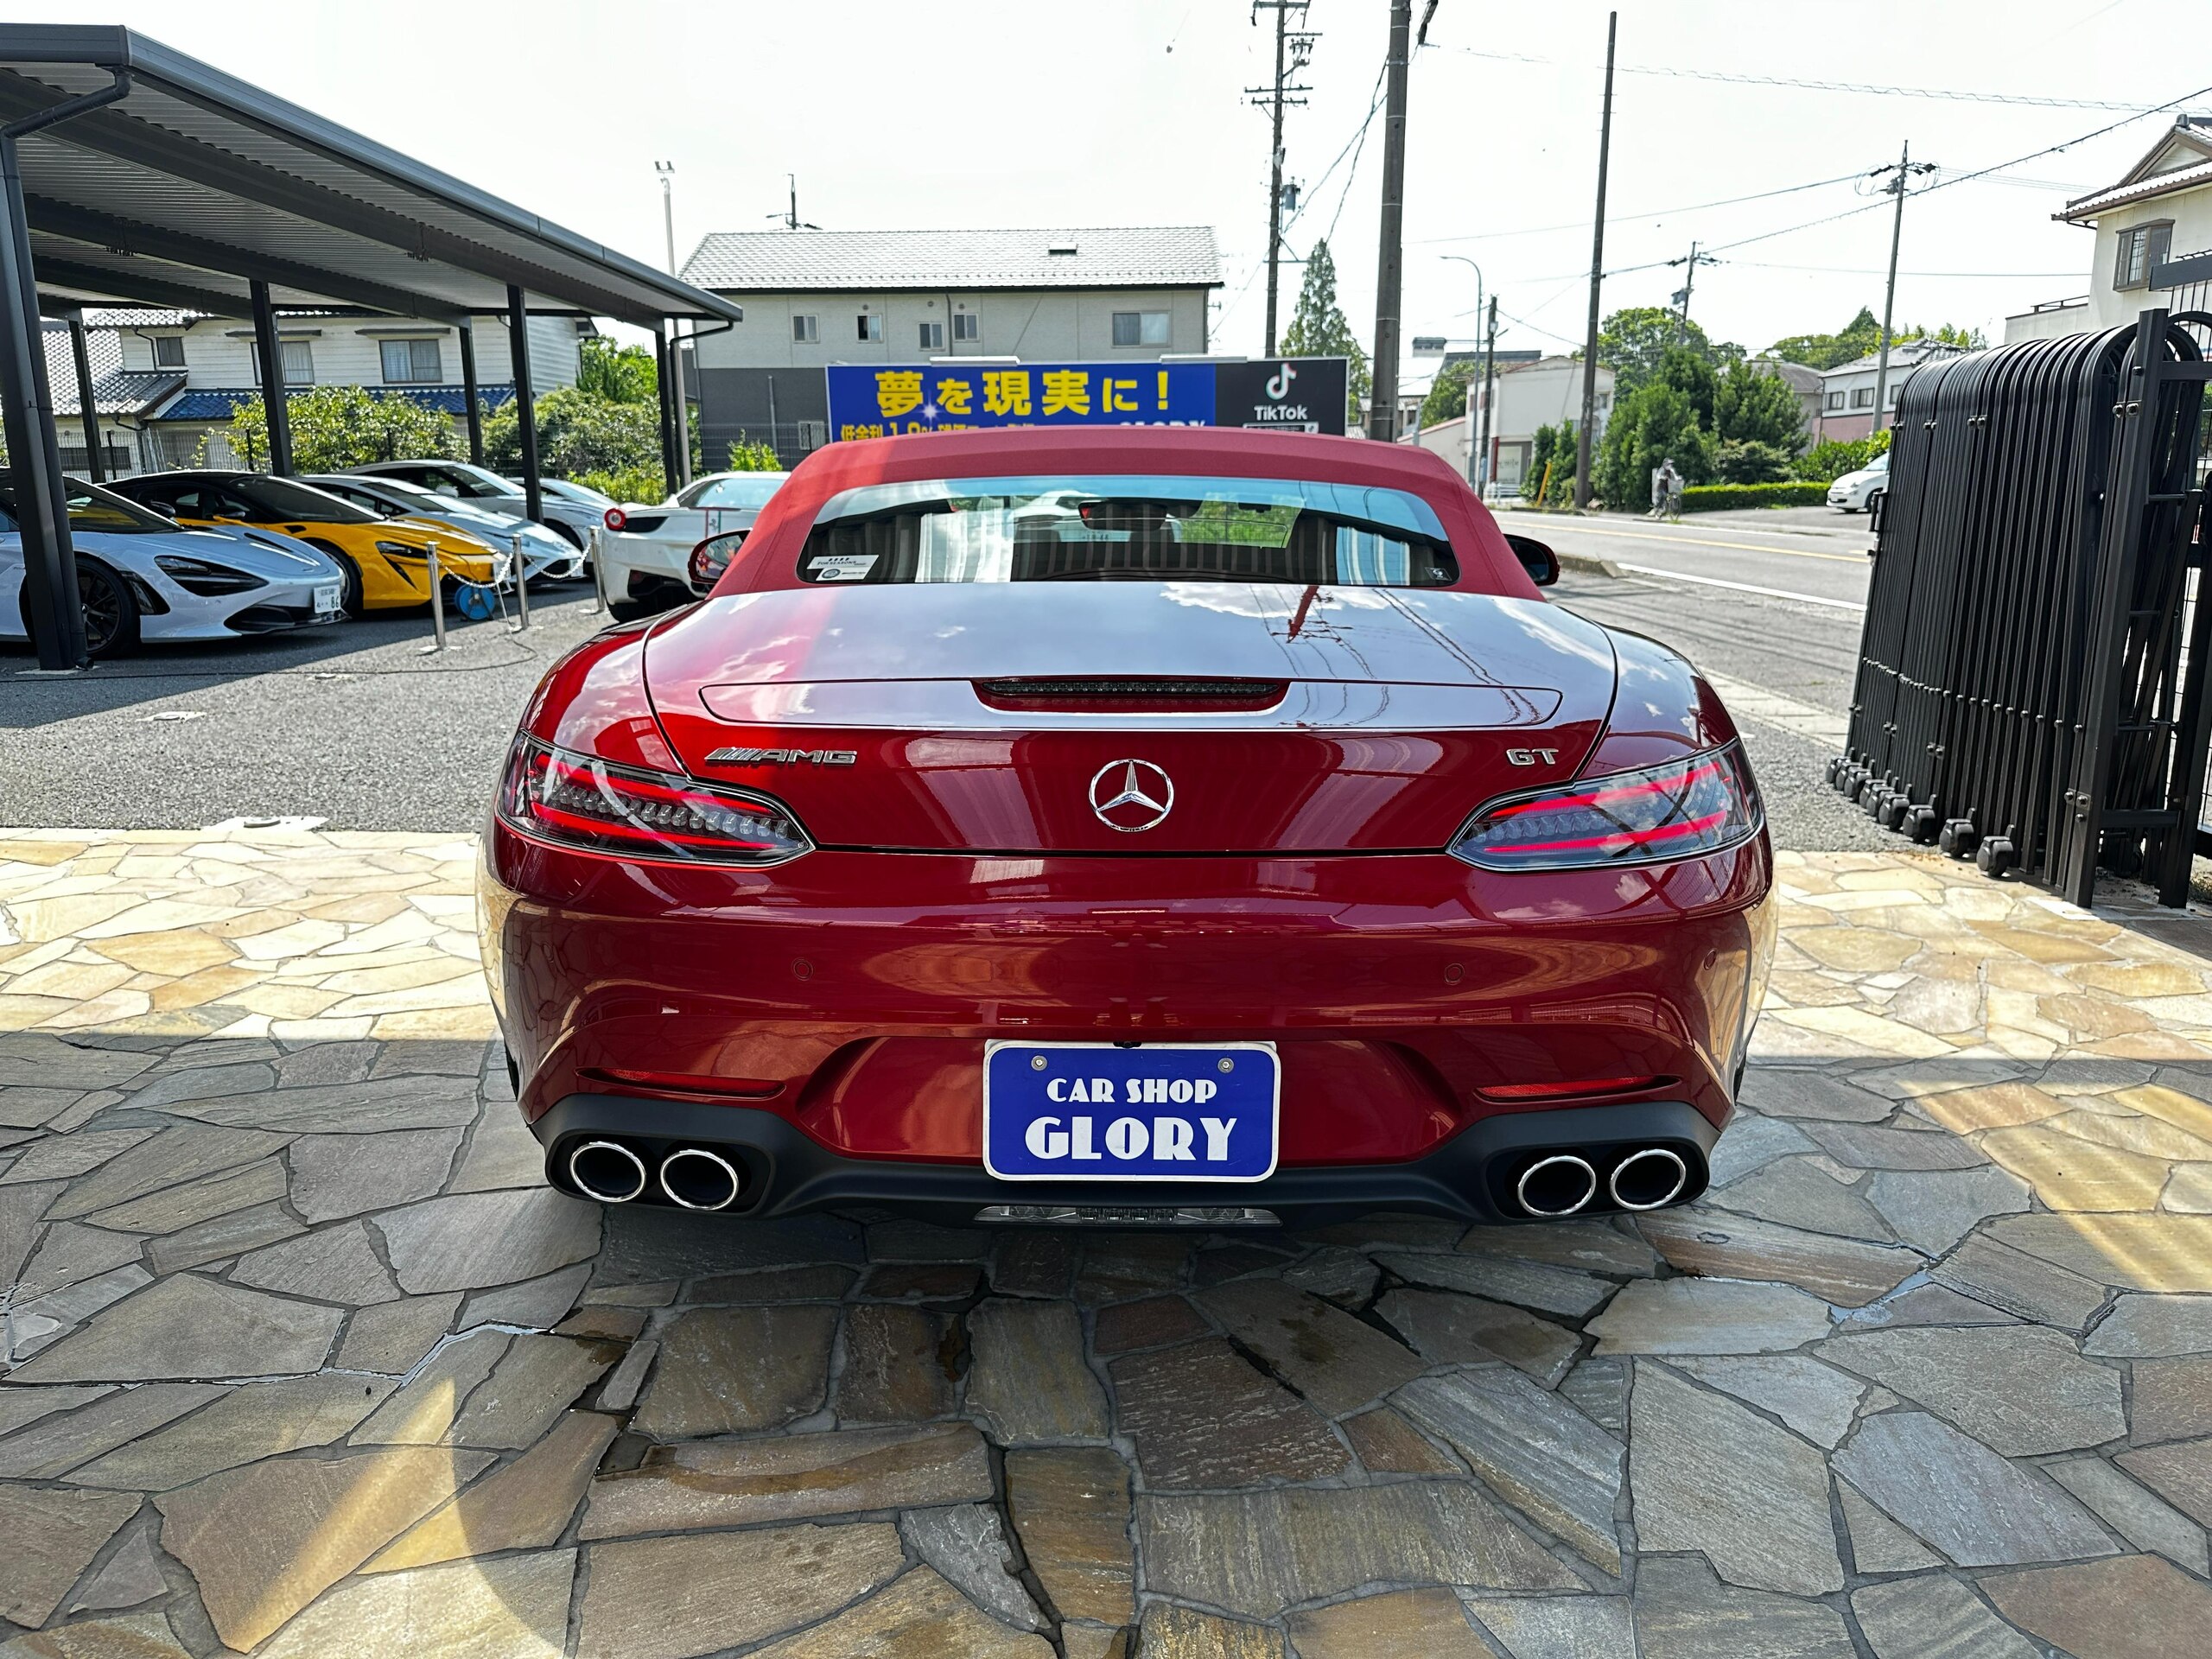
(2031, 689)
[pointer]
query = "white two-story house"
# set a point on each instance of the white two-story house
(2159, 211)
(815, 298)
(165, 382)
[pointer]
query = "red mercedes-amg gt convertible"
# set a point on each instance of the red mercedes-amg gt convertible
(1150, 824)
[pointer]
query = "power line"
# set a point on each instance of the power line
(1653, 213)
(2027, 99)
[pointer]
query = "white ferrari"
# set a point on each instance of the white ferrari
(141, 577)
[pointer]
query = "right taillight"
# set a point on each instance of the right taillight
(580, 800)
(1681, 810)
(615, 518)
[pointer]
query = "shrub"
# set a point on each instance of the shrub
(641, 485)
(1747, 460)
(1824, 463)
(1712, 498)
(747, 456)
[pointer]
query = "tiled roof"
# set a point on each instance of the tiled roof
(216, 404)
(2119, 195)
(1901, 351)
(755, 262)
(115, 389)
(139, 316)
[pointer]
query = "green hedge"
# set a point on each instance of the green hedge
(1711, 497)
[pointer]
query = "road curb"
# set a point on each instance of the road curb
(1585, 565)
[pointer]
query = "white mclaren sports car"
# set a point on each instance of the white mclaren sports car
(141, 577)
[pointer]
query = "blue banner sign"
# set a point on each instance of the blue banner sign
(867, 401)
(1293, 394)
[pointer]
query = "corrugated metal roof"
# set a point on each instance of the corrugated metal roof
(767, 261)
(217, 405)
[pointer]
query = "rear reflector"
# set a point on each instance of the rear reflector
(580, 800)
(1584, 1089)
(685, 1082)
(1681, 810)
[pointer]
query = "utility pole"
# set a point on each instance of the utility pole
(1489, 394)
(1903, 170)
(667, 171)
(1682, 297)
(1293, 49)
(1383, 413)
(1596, 274)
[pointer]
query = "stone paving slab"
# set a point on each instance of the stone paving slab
(298, 1356)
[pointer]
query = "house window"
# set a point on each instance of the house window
(871, 328)
(406, 363)
(806, 331)
(297, 357)
(1835, 399)
(967, 325)
(2144, 246)
(1862, 396)
(1140, 327)
(168, 351)
(932, 337)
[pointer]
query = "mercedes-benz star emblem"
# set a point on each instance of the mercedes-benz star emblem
(1131, 796)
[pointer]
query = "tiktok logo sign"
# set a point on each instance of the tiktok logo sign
(1149, 1112)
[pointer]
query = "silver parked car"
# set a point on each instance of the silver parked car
(482, 488)
(142, 576)
(546, 556)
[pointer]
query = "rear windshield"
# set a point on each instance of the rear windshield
(743, 490)
(279, 499)
(1081, 529)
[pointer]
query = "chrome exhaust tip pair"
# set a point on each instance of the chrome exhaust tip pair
(1565, 1182)
(690, 1177)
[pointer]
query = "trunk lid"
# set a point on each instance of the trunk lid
(1130, 717)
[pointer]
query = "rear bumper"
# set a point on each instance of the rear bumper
(1469, 1177)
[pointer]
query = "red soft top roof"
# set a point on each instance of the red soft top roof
(1487, 564)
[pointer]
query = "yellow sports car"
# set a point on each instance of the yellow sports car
(386, 562)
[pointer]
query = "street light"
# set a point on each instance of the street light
(1478, 457)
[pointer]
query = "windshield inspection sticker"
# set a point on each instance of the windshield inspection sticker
(841, 567)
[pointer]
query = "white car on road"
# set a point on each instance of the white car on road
(141, 577)
(546, 556)
(648, 549)
(1858, 492)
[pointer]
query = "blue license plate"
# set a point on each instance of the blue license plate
(1158, 1112)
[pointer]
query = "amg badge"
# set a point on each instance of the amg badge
(783, 757)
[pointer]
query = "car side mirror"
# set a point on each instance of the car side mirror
(1538, 560)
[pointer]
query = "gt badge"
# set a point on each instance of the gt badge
(1513, 757)
(783, 757)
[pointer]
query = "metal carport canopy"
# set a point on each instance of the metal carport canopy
(193, 166)
(130, 172)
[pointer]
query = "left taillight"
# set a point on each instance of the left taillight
(1683, 809)
(579, 800)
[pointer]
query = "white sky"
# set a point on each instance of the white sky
(1040, 112)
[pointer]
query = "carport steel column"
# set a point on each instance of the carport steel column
(88, 413)
(475, 412)
(50, 602)
(525, 403)
(270, 351)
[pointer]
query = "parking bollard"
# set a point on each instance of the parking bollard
(437, 604)
(598, 573)
(522, 590)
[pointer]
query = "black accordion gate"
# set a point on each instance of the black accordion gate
(2031, 688)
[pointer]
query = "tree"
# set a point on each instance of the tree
(621, 374)
(1318, 327)
(1756, 406)
(580, 432)
(1447, 393)
(337, 427)
(1633, 341)
(746, 455)
(1862, 337)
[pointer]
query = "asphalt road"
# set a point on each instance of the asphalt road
(356, 726)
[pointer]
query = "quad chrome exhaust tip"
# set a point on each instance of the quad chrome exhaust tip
(1648, 1179)
(1557, 1186)
(607, 1170)
(695, 1178)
